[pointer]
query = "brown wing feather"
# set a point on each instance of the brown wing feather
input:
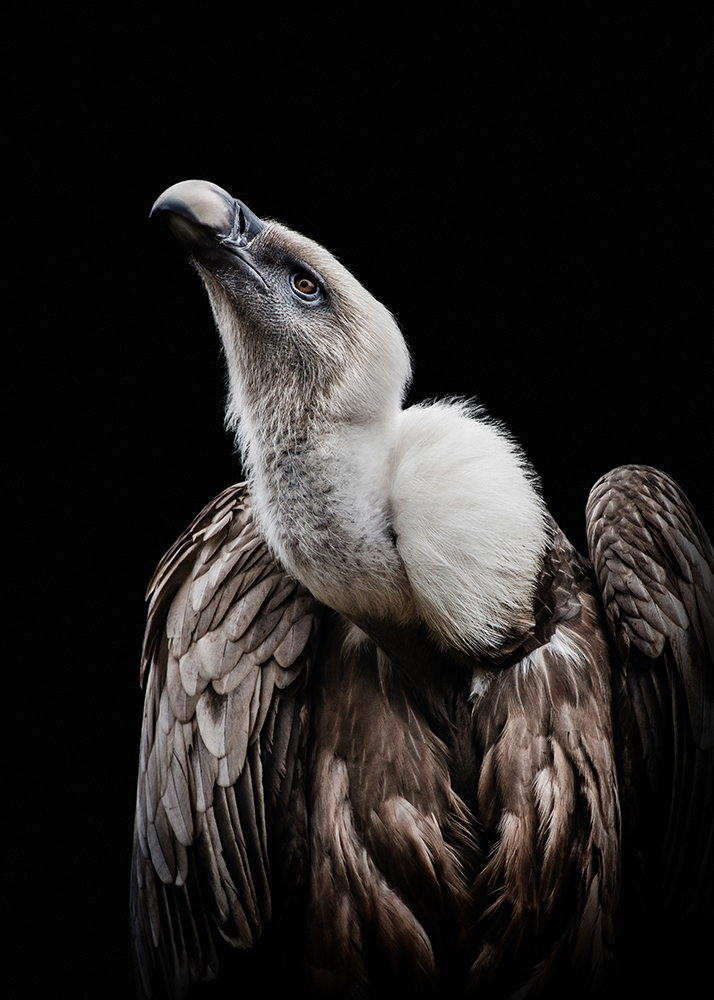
(547, 795)
(655, 569)
(229, 638)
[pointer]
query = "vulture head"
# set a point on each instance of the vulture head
(302, 337)
(344, 482)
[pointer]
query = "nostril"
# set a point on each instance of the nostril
(246, 224)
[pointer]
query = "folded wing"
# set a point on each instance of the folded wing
(655, 569)
(228, 644)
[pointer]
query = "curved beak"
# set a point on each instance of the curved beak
(213, 225)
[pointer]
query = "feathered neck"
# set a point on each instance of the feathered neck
(321, 499)
(429, 515)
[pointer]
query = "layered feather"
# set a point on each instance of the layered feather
(228, 637)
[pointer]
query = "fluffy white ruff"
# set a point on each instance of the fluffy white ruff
(470, 525)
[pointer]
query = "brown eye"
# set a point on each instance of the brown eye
(303, 284)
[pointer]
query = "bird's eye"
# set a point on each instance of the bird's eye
(304, 285)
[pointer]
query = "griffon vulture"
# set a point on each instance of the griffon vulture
(400, 738)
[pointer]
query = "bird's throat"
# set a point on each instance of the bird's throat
(322, 503)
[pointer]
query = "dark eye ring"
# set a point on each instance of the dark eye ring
(304, 285)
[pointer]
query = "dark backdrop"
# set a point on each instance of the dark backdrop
(525, 197)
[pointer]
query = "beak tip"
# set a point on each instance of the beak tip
(199, 202)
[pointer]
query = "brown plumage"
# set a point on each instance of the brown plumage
(341, 792)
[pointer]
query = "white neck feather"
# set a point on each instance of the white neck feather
(321, 500)
(470, 527)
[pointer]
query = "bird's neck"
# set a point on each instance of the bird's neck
(320, 496)
(426, 517)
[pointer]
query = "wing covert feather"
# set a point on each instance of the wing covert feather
(228, 644)
(547, 794)
(655, 568)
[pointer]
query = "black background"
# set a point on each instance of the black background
(525, 196)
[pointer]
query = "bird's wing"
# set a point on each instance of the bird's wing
(547, 797)
(229, 640)
(655, 569)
